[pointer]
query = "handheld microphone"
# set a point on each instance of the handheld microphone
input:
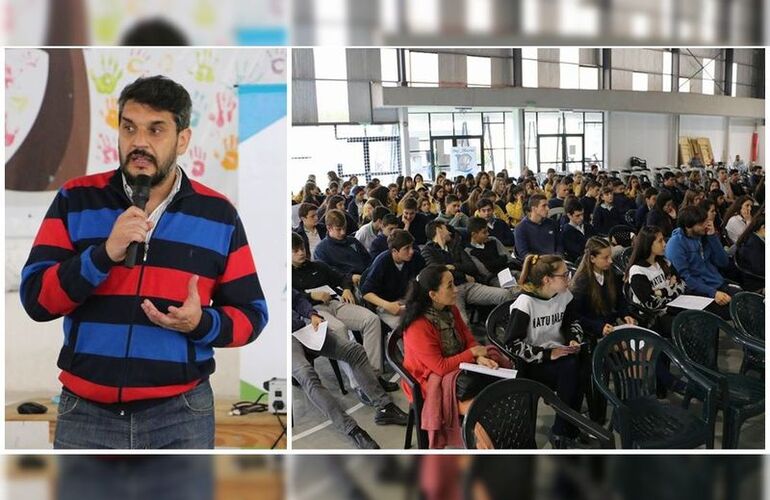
(141, 194)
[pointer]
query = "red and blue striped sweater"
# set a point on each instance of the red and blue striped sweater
(112, 352)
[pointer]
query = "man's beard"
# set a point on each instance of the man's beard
(161, 171)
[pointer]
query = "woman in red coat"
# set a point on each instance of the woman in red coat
(436, 339)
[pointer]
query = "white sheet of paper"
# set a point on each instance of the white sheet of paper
(690, 302)
(310, 338)
(506, 279)
(497, 372)
(618, 328)
(325, 288)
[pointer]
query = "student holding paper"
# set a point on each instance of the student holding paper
(350, 352)
(545, 333)
(341, 312)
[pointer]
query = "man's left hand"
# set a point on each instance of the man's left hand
(181, 319)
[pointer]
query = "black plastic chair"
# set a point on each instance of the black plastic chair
(497, 321)
(747, 311)
(696, 334)
(395, 357)
(620, 261)
(624, 370)
(622, 235)
(507, 410)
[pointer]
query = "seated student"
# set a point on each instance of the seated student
(663, 214)
(607, 215)
(650, 197)
(598, 291)
(342, 253)
(342, 313)
(697, 255)
(337, 202)
(490, 256)
(756, 176)
(413, 222)
(514, 209)
(620, 200)
(497, 228)
(498, 211)
(562, 189)
(347, 187)
(388, 277)
(309, 229)
(544, 333)
(437, 339)
(353, 354)
(576, 232)
(369, 231)
(452, 214)
(446, 250)
(736, 184)
(738, 217)
(536, 233)
(652, 281)
(356, 204)
(590, 197)
(750, 253)
(669, 186)
(380, 243)
(425, 205)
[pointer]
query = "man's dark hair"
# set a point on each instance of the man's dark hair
(296, 241)
(722, 169)
(669, 175)
(432, 226)
(160, 93)
(346, 184)
(305, 209)
(690, 216)
(390, 219)
(476, 224)
(591, 185)
(399, 239)
(572, 206)
(534, 201)
(410, 204)
(154, 32)
(379, 213)
(483, 203)
(650, 192)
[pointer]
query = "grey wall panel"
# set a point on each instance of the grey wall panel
(452, 70)
(304, 109)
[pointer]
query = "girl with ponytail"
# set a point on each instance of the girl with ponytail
(544, 332)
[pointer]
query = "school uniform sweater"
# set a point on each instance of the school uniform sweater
(590, 318)
(651, 286)
(538, 325)
(573, 240)
(388, 281)
(539, 238)
(112, 352)
(347, 256)
(605, 218)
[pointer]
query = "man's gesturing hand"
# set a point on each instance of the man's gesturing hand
(182, 319)
(132, 225)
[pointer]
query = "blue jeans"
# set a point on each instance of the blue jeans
(181, 422)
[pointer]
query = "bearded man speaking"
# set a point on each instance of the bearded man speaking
(139, 337)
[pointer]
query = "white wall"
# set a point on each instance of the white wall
(646, 135)
(651, 136)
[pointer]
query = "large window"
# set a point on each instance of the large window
(574, 76)
(422, 69)
(366, 151)
(563, 140)
(529, 67)
(331, 86)
(479, 71)
(435, 137)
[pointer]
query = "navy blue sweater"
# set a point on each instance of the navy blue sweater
(502, 232)
(537, 238)
(346, 256)
(384, 279)
(604, 219)
(573, 241)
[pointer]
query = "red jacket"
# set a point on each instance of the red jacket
(422, 351)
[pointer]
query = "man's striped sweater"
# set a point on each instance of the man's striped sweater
(112, 352)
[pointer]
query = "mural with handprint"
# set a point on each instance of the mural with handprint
(210, 76)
